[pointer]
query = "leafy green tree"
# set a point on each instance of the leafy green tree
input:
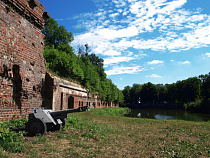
(188, 90)
(149, 93)
(162, 93)
(127, 95)
(120, 97)
(135, 93)
(205, 91)
(171, 96)
(96, 60)
(55, 34)
(58, 61)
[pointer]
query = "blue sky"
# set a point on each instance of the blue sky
(158, 41)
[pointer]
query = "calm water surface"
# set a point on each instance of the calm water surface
(168, 115)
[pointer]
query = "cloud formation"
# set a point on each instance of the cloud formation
(154, 76)
(121, 25)
(184, 62)
(123, 70)
(154, 62)
(208, 55)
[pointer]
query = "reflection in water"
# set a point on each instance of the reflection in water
(161, 117)
(168, 115)
(139, 115)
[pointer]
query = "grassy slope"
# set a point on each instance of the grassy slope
(91, 135)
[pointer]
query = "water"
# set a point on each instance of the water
(168, 115)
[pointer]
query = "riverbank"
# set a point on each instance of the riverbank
(163, 114)
(93, 134)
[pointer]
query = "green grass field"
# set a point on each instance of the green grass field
(106, 133)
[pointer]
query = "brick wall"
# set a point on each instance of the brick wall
(62, 94)
(24, 83)
(22, 66)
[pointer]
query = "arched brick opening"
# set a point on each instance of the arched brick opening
(70, 102)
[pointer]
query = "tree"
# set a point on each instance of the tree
(120, 97)
(135, 93)
(148, 93)
(127, 95)
(162, 93)
(205, 91)
(58, 61)
(55, 34)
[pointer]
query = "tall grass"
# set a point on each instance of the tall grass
(105, 133)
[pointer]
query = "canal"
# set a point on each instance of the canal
(168, 115)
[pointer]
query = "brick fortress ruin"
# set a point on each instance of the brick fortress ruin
(22, 66)
(24, 82)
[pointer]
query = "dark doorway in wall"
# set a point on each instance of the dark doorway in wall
(47, 91)
(70, 102)
(61, 107)
(17, 85)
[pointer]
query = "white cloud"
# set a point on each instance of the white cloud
(145, 21)
(184, 62)
(114, 60)
(109, 34)
(157, 25)
(112, 53)
(119, 3)
(208, 55)
(154, 76)
(114, 15)
(123, 70)
(155, 62)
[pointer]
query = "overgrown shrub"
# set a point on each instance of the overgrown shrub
(193, 105)
(10, 140)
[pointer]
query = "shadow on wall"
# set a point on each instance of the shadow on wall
(47, 92)
(17, 85)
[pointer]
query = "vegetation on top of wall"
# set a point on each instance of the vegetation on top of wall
(86, 69)
(192, 93)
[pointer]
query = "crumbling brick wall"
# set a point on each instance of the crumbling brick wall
(22, 66)
(24, 83)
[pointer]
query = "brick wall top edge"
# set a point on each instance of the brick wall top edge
(34, 12)
(67, 83)
(73, 87)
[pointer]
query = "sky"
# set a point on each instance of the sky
(141, 41)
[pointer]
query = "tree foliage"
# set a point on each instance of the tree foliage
(84, 68)
(55, 34)
(192, 93)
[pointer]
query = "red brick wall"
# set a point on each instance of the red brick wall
(63, 90)
(59, 91)
(24, 83)
(22, 66)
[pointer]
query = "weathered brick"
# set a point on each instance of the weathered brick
(23, 69)
(17, 35)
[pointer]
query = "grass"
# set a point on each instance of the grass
(99, 133)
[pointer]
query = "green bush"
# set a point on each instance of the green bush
(10, 140)
(193, 105)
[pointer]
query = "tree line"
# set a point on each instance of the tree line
(192, 94)
(83, 68)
